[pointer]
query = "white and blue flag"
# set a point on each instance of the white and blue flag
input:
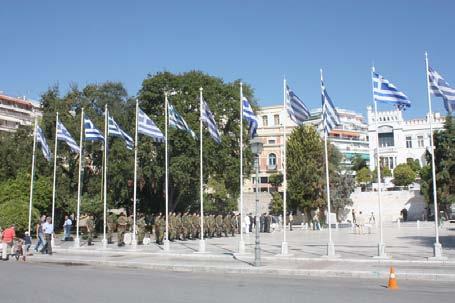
(249, 116)
(297, 110)
(115, 131)
(147, 127)
(177, 121)
(386, 92)
(330, 118)
(209, 120)
(42, 141)
(64, 135)
(440, 88)
(91, 132)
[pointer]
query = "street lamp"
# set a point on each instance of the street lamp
(256, 149)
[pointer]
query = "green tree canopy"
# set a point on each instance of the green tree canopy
(444, 143)
(306, 175)
(403, 175)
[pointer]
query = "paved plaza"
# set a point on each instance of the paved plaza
(410, 250)
(406, 242)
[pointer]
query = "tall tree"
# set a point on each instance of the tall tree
(444, 143)
(306, 175)
(221, 161)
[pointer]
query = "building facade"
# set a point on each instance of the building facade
(351, 138)
(15, 112)
(399, 139)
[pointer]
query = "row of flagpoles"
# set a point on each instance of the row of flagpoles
(383, 91)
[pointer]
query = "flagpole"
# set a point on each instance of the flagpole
(330, 245)
(242, 242)
(201, 171)
(134, 241)
(54, 179)
(32, 179)
(77, 240)
(437, 250)
(284, 244)
(106, 133)
(381, 245)
(166, 244)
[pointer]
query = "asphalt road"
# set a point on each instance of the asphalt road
(40, 283)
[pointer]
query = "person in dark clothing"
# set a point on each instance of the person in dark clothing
(262, 222)
(251, 223)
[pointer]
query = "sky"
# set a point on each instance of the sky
(44, 43)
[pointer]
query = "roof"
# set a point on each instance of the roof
(15, 100)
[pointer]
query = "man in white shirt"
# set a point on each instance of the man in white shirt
(67, 228)
(48, 229)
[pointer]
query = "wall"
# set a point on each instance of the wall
(392, 203)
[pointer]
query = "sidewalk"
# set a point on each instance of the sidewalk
(408, 247)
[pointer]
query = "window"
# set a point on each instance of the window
(272, 161)
(386, 139)
(265, 121)
(276, 119)
(264, 180)
(272, 141)
(420, 141)
(409, 142)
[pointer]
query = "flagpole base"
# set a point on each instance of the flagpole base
(104, 243)
(134, 244)
(202, 246)
(331, 251)
(381, 252)
(284, 249)
(77, 242)
(437, 253)
(166, 245)
(241, 246)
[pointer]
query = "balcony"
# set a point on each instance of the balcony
(271, 168)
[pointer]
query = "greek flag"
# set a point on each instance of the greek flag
(330, 117)
(147, 127)
(386, 92)
(115, 131)
(249, 116)
(297, 110)
(42, 141)
(64, 135)
(91, 132)
(440, 88)
(209, 120)
(175, 120)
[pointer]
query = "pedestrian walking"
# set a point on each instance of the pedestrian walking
(360, 223)
(67, 229)
(247, 224)
(40, 234)
(8, 236)
(48, 230)
(291, 219)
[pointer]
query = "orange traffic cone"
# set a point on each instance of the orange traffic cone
(392, 279)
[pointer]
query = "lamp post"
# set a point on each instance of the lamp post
(256, 149)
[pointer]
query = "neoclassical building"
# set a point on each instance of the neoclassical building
(351, 138)
(400, 139)
(15, 112)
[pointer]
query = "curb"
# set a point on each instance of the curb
(250, 270)
(230, 256)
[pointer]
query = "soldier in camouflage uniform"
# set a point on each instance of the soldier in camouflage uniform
(172, 227)
(122, 223)
(212, 226)
(196, 226)
(160, 226)
(219, 225)
(111, 226)
(206, 226)
(227, 225)
(141, 229)
(90, 229)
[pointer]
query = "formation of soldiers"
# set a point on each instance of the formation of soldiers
(187, 226)
(182, 226)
